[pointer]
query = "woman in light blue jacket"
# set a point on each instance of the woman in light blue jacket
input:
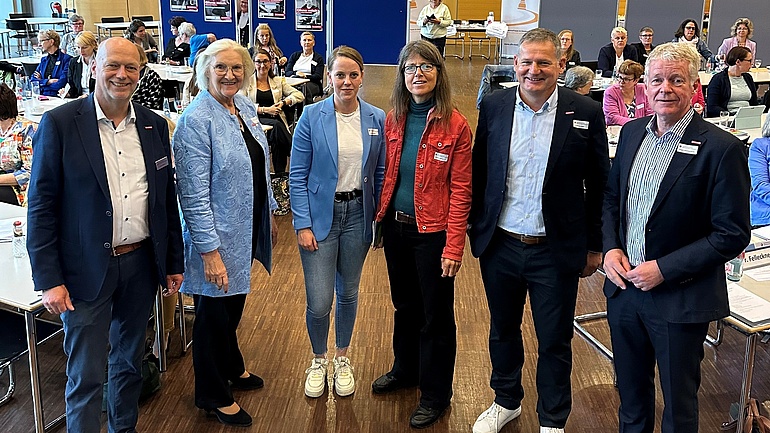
(335, 178)
(223, 180)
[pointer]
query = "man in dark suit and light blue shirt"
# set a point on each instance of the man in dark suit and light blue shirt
(676, 209)
(104, 231)
(540, 164)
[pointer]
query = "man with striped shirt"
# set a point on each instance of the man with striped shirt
(675, 210)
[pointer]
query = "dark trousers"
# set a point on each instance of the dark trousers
(440, 43)
(511, 270)
(217, 358)
(116, 318)
(640, 337)
(424, 331)
(279, 140)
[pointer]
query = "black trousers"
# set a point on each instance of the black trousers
(279, 140)
(440, 43)
(424, 331)
(217, 358)
(510, 270)
(640, 337)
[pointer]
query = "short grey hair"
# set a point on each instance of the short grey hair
(578, 77)
(75, 18)
(542, 35)
(204, 60)
(675, 52)
(766, 127)
(187, 29)
(620, 30)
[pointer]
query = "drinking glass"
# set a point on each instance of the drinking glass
(599, 73)
(757, 63)
(179, 106)
(724, 118)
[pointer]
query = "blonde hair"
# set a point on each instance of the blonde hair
(142, 55)
(86, 38)
(746, 22)
(52, 35)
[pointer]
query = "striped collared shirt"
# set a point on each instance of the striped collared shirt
(647, 171)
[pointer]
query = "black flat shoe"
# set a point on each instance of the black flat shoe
(240, 419)
(251, 382)
(425, 416)
(389, 383)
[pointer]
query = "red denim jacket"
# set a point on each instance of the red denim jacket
(442, 190)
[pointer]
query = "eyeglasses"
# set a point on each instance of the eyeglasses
(690, 28)
(44, 40)
(424, 67)
(625, 79)
(262, 62)
(645, 36)
(221, 69)
(77, 24)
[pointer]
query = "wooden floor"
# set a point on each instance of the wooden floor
(275, 345)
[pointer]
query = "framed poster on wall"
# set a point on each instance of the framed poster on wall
(184, 5)
(217, 11)
(272, 9)
(308, 15)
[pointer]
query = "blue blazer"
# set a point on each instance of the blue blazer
(59, 72)
(70, 210)
(575, 175)
(698, 221)
(313, 170)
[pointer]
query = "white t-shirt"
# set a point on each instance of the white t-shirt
(350, 150)
(304, 63)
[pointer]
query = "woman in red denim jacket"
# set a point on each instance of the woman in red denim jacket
(426, 198)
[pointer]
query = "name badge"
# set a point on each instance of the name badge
(689, 149)
(580, 124)
(314, 63)
(572, 63)
(443, 157)
(374, 131)
(58, 62)
(255, 121)
(640, 107)
(163, 162)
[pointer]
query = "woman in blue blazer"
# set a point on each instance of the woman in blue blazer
(335, 177)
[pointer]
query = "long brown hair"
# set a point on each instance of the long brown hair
(571, 51)
(442, 94)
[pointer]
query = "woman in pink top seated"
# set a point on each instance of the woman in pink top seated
(740, 33)
(625, 100)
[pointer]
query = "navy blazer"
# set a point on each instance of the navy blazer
(607, 58)
(70, 210)
(313, 171)
(699, 219)
(74, 77)
(574, 181)
(720, 89)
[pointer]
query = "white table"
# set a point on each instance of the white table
(104, 30)
(171, 73)
(760, 76)
(296, 81)
(42, 107)
(17, 292)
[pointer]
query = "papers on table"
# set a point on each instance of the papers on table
(748, 305)
(762, 232)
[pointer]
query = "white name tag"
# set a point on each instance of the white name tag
(640, 107)
(314, 63)
(443, 157)
(689, 149)
(580, 124)
(374, 131)
(255, 121)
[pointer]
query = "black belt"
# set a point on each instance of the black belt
(348, 195)
(526, 239)
(405, 218)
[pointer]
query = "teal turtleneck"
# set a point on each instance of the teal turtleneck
(416, 119)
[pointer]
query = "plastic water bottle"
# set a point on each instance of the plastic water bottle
(19, 240)
(490, 18)
(733, 268)
(166, 109)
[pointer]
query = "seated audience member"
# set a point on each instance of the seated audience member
(198, 43)
(579, 79)
(68, 40)
(759, 155)
(264, 39)
(51, 73)
(698, 101)
(688, 33)
(306, 63)
(272, 95)
(10, 67)
(626, 100)
(733, 87)
(644, 46)
(137, 33)
(149, 91)
(740, 32)
(614, 53)
(15, 150)
(179, 46)
(79, 71)
(568, 50)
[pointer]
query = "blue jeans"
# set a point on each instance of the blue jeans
(335, 267)
(118, 316)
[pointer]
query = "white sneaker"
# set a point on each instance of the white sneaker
(344, 382)
(494, 418)
(551, 430)
(315, 383)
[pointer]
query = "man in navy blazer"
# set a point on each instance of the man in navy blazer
(540, 163)
(104, 231)
(608, 54)
(676, 209)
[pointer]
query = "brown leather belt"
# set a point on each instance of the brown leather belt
(127, 248)
(526, 239)
(405, 218)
